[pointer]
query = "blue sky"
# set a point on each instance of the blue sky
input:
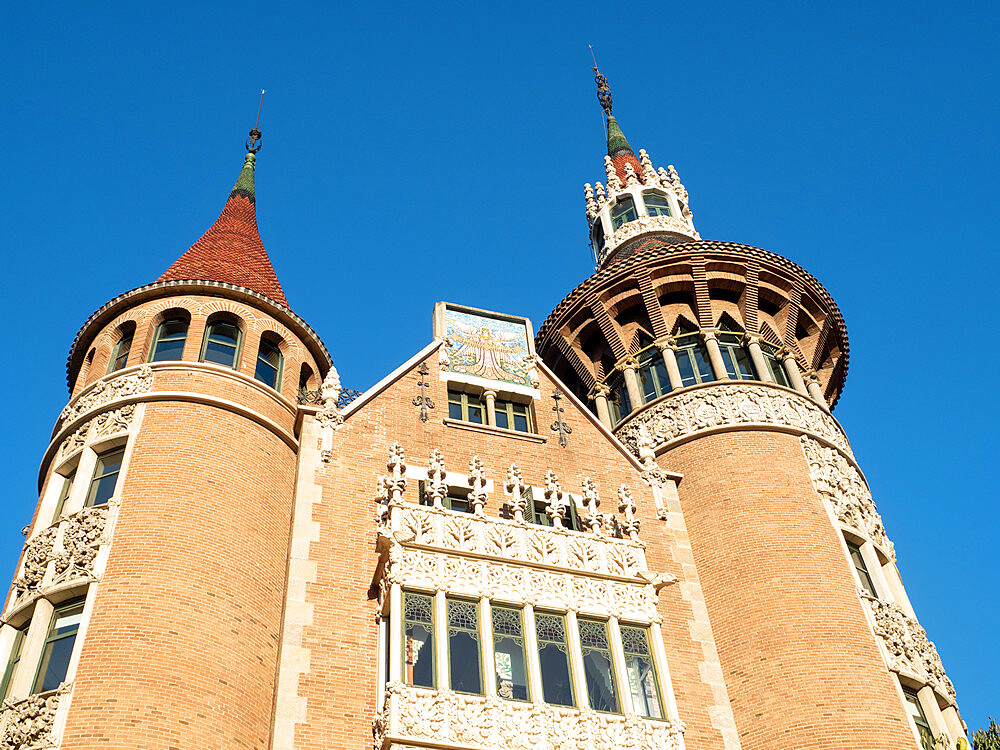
(418, 152)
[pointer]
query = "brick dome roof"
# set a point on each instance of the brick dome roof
(231, 251)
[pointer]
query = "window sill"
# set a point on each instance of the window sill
(500, 431)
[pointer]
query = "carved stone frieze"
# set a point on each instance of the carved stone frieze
(421, 569)
(730, 404)
(105, 391)
(841, 484)
(37, 554)
(501, 538)
(76, 440)
(27, 724)
(644, 224)
(114, 421)
(910, 651)
(416, 715)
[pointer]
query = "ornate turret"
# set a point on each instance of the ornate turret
(639, 200)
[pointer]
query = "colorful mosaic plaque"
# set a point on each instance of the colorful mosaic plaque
(486, 346)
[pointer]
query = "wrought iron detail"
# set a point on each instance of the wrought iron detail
(603, 90)
(559, 425)
(347, 395)
(423, 401)
(254, 141)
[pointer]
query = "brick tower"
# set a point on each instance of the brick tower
(147, 607)
(722, 362)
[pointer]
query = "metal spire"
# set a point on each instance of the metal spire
(603, 90)
(254, 141)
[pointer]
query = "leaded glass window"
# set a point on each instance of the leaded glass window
(58, 647)
(623, 211)
(119, 355)
(466, 407)
(553, 657)
(418, 640)
(692, 360)
(512, 415)
(222, 343)
(15, 659)
(105, 479)
(168, 342)
(641, 672)
(268, 369)
(464, 658)
(598, 669)
(508, 654)
(64, 494)
(859, 565)
(657, 204)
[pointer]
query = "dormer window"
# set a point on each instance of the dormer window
(623, 211)
(657, 204)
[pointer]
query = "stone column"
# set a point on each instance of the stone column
(576, 661)
(395, 633)
(628, 367)
(441, 640)
(491, 407)
(662, 671)
(929, 703)
(621, 673)
(815, 391)
(531, 655)
(793, 371)
(752, 343)
(668, 348)
(954, 723)
(599, 395)
(489, 661)
(31, 650)
(711, 339)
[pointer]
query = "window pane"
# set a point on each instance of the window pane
(656, 204)
(463, 646)
(418, 640)
(501, 417)
(686, 367)
(455, 410)
(15, 658)
(727, 357)
(743, 364)
(220, 353)
(704, 366)
(859, 565)
(540, 517)
(102, 486)
(64, 493)
(508, 651)
(641, 672)
(475, 414)
(265, 373)
(597, 667)
(459, 502)
(776, 369)
(553, 655)
(168, 350)
(58, 647)
(121, 352)
(521, 422)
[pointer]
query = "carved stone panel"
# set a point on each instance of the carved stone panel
(27, 724)
(105, 391)
(730, 404)
(836, 480)
(36, 559)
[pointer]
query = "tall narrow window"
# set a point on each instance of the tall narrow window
(618, 400)
(513, 416)
(222, 343)
(464, 659)
(657, 204)
(652, 374)
(553, 656)
(168, 342)
(268, 370)
(597, 666)
(862, 570)
(105, 479)
(508, 654)
(641, 671)
(15, 659)
(692, 360)
(119, 355)
(418, 640)
(916, 712)
(774, 364)
(738, 365)
(598, 235)
(64, 494)
(623, 211)
(58, 646)
(466, 407)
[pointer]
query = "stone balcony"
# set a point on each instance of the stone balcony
(417, 717)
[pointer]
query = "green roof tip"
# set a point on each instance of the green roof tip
(616, 139)
(244, 183)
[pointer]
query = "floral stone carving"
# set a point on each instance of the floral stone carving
(27, 724)
(909, 649)
(105, 391)
(728, 404)
(36, 559)
(415, 715)
(841, 484)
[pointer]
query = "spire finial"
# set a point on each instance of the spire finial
(253, 142)
(603, 90)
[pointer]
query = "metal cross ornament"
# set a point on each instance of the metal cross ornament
(423, 401)
(559, 425)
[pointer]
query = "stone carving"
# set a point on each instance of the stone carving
(76, 440)
(841, 484)
(555, 500)
(105, 391)
(447, 718)
(27, 724)
(36, 560)
(515, 540)
(588, 194)
(626, 505)
(477, 483)
(117, 420)
(644, 224)
(909, 649)
(515, 490)
(591, 502)
(730, 404)
(329, 416)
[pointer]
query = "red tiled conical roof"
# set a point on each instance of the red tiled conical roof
(231, 250)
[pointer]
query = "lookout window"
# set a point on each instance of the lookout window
(168, 342)
(105, 479)
(222, 343)
(657, 204)
(623, 211)
(119, 355)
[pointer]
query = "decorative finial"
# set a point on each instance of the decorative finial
(253, 142)
(603, 90)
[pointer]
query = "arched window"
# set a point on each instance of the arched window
(738, 364)
(657, 204)
(692, 359)
(623, 211)
(168, 341)
(221, 344)
(269, 360)
(774, 364)
(120, 352)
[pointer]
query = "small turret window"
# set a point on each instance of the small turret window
(222, 343)
(738, 365)
(119, 355)
(268, 370)
(623, 211)
(657, 204)
(598, 234)
(692, 359)
(168, 343)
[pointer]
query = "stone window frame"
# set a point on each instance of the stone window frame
(488, 397)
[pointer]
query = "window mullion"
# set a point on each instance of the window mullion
(576, 659)
(395, 633)
(621, 673)
(441, 641)
(486, 639)
(31, 651)
(531, 655)
(664, 683)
